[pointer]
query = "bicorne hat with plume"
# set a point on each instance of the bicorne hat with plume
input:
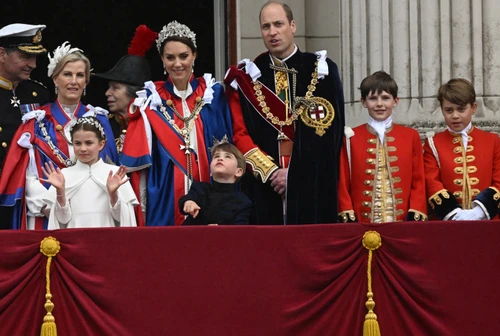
(134, 69)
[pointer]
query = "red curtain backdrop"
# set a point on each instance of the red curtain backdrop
(433, 278)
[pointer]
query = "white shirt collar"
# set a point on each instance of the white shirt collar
(286, 58)
(380, 126)
(464, 133)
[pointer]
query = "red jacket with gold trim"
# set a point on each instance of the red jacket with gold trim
(456, 178)
(402, 162)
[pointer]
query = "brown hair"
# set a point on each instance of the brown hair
(72, 57)
(286, 8)
(377, 83)
(457, 91)
(230, 148)
(182, 39)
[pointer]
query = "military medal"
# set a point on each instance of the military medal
(15, 101)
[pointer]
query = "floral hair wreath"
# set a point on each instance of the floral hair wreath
(91, 121)
(175, 28)
(58, 54)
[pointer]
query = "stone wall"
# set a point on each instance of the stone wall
(421, 43)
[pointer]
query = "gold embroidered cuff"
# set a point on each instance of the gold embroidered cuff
(415, 215)
(262, 165)
(489, 199)
(347, 216)
(436, 198)
(442, 202)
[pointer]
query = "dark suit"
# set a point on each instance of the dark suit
(220, 203)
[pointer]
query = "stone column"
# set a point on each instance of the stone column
(422, 44)
(322, 19)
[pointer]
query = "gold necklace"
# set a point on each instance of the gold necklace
(185, 131)
(262, 99)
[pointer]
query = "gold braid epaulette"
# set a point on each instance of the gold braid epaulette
(262, 164)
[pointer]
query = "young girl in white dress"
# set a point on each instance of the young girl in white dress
(91, 193)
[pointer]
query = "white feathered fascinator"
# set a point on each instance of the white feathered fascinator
(58, 54)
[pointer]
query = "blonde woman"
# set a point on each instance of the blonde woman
(45, 137)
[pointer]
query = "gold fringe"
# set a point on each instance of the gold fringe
(49, 247)
(371, 241)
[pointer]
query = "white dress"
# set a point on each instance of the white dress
(87, 200)
(35, 189)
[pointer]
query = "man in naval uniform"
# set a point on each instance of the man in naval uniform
(20, 44)
(288, 120)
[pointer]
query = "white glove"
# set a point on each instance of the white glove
(452, 213)
(475, 213)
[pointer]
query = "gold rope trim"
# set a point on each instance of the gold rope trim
(371, 241)
(49, 247)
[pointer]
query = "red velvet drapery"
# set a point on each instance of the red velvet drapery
(433, 278)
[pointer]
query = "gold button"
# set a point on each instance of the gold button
(1, 129)
(124, 131)
(34, 94)
(4, 144)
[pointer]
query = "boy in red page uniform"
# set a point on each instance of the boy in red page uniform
(462, 163)
(381, 166)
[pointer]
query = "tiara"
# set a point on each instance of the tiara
(91, 121)
(58, 54)
(216, 142)
(175, 28)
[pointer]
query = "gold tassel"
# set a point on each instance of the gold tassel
(49, 247)
(371, 241)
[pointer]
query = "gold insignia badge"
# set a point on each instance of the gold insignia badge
(38, 36)
(316, 112)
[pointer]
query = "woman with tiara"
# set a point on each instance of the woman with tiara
(44, 137)
(172, 125)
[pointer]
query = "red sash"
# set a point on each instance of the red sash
(276, 105)
(172, 141)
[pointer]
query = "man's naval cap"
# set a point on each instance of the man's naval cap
(25, 37)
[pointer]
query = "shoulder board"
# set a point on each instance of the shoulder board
(348, 132)
(430, 134)
(37, 82)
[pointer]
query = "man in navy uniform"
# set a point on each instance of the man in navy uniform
(20, 44)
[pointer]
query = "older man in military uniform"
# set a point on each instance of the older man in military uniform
(19, 46)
